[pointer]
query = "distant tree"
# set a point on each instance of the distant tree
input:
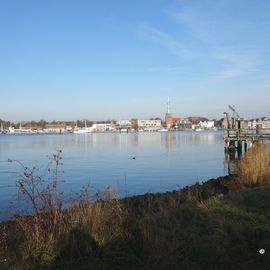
(89, 123)
(219, 122)
(5, 124)
(42, 123)
(197, 119)
(78, 123)
(156, 118)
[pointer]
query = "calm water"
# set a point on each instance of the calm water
(163, 161)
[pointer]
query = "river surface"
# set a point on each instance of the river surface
(133, 163)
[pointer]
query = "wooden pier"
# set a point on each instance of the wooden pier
(240, 137)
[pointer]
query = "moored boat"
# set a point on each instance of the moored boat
(83, 130)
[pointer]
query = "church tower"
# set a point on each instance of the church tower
(168, 115)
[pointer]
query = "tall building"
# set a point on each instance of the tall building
(168, 115)
(170, 120)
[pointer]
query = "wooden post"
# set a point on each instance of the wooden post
(258, 129)
(232, 145)
(245, 146)
(239, 128)
(227, 145)
(239, 148)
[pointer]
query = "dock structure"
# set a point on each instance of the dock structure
(239, 137)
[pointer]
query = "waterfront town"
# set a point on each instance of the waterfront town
(169, 123)
(120, 146)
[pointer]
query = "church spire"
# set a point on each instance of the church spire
(168, 111)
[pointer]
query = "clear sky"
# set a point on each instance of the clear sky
(104, 59)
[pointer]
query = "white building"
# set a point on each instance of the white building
(206, 124)
(149, 124)
(265, 123)
(252, 124)
(55, 128)
(102, 127)
(123, 124)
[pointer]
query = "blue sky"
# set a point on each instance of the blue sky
(104, 59)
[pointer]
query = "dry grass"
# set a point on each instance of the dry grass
(147, 232)
(254, 167)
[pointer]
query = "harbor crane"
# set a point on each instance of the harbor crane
(232, 108)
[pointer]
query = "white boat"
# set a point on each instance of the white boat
(163, 130)
(83, 130)
(12, 130)
(198, 129)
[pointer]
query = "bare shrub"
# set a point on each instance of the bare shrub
(38, 225)
(46, 232)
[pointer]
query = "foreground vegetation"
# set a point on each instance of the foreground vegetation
(221, 224)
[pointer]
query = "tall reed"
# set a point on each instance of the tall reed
(254, 167)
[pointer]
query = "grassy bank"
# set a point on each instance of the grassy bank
(221, 224)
